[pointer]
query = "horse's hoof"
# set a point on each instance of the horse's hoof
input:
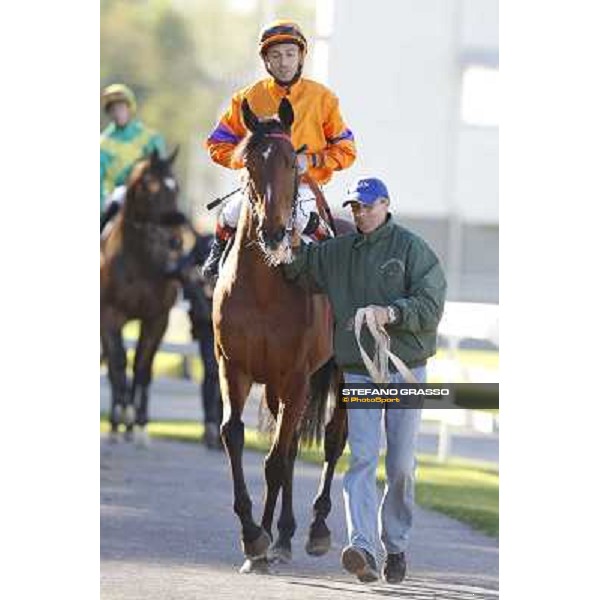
(141, 437)
(257, 548)
(318, 546)
(259, 566)
(279, 554)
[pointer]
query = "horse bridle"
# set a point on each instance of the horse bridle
(292, 218)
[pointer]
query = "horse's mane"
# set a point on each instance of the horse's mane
(160, 167)
(255, 138)
(153, 166)
(138, 172)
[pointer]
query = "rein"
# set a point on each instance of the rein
(213, 203)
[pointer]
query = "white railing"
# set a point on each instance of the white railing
(461, 321)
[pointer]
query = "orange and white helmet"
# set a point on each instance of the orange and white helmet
(282, 32)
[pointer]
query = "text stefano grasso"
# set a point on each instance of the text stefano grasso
(424, 391)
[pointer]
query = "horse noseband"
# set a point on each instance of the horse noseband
(272, 242)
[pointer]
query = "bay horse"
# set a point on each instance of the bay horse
(271, 331)
(138, 259)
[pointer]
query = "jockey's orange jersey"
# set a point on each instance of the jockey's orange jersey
(317, 123)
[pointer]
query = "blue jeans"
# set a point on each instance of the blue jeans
(360, 488)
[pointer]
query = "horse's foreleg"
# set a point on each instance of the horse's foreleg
(279, 468)
(336, 433)
(112, 344)
(275, 467)
(235, 387)
(274, 463)
(286, 525)
(151, 334)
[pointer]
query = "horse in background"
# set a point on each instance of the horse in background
(138, 268)
(271, 331)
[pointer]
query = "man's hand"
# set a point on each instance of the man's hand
(382, 315)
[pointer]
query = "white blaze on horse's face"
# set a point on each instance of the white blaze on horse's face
(268, 195)
(170, 183)
(273, 235)
(267, 152)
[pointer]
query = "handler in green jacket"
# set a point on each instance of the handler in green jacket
(394, 271)
(124, 141)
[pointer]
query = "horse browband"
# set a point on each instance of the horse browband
(281, 135)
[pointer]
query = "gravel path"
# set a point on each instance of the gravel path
(169, 532)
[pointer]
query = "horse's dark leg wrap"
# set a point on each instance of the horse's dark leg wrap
(150, 337)
(211, 394)
(139, 395)
(336, 434)
(140, 402)
(275, 468)
(232, 433)
(117, 363)
(286, 524)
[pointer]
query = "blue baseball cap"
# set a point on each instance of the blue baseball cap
(366, 191)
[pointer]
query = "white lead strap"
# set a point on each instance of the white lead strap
(378, 366)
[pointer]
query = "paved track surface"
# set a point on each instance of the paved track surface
(169, 532)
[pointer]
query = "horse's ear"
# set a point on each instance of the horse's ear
(286, 114)
(250, 119)
(173, 156)
(154, 157)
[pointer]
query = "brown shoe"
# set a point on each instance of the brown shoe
(361, 563)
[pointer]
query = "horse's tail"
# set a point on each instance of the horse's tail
(323, 383)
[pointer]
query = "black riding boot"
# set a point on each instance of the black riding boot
(108, 214)
(210, 269)
(317, 228)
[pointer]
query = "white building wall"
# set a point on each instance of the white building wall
(396, 67)
(479, 24)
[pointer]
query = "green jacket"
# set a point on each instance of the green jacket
(388, 266)
(120, 149)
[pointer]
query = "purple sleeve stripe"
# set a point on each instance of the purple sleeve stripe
(345, 135)
(222, 133)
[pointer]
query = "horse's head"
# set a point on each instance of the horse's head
(152, 189)
(270, 160)
(156, 230)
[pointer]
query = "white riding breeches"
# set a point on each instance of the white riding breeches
(117, 195)
(307, 203)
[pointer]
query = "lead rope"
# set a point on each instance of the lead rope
(378, 367)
